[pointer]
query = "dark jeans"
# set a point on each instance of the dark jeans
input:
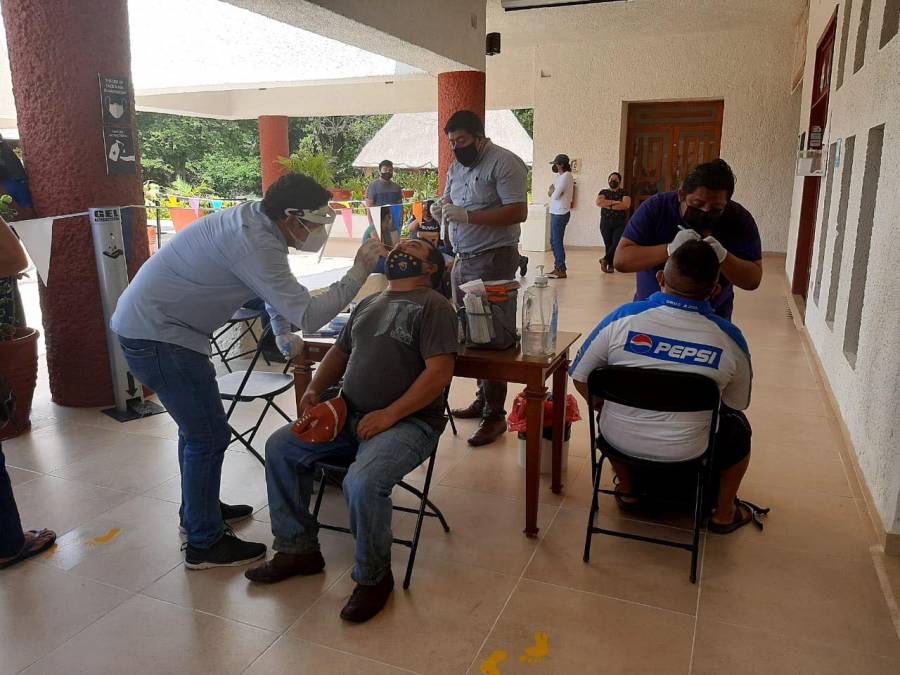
(185, 382)
(557, 235)
(12, 539)
(493, 265)
(611, 233)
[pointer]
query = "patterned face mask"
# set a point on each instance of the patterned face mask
(401, 265)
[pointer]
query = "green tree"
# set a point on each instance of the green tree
(526, 119)
(339, 137)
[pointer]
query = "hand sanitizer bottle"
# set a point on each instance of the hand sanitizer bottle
(539, 317)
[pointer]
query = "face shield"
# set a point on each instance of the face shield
(317, 223)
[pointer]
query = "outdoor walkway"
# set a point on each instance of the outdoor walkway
(802, 597)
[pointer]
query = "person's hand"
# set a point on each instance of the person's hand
(367, 258)
(289, 344)
(437, 209)
(456, 213)
(308, 400)
(374, 423)
(550, 190)
(721, 251)
(682, 237)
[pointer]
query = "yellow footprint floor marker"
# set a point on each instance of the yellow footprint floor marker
(538, 651)
(99, 540)
(106, 538)
(489, 666)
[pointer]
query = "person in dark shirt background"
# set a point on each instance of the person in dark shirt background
(614, 205)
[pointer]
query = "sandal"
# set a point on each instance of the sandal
(745, 512)
(39, 542)
(626, 501)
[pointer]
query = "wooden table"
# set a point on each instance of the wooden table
(507, 366)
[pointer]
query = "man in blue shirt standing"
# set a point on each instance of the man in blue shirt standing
(190, 288)
(701, 209)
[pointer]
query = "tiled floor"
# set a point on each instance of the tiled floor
(805, 596)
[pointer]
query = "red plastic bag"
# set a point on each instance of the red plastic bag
(518, 417)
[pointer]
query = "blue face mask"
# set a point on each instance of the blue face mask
(402, 265)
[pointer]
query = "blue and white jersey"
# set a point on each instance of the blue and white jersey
(668, 333)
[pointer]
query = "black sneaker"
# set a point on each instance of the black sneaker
(229, 551)
(523, 265)
(231, 514)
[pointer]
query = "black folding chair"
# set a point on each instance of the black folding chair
(246, 386)
(243, 316)
(664, 391)
(334, 471)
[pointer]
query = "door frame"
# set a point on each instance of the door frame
(809, 201)
(630, 127)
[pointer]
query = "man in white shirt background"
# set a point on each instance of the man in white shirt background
(560, 193)
(677, 329)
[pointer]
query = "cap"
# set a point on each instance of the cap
(561, 159)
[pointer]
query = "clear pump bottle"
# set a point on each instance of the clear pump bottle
(539, 317)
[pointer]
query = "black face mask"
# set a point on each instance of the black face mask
(700, 220)
(466, 155)
(387, 175)
(613, 184)
(400, 265)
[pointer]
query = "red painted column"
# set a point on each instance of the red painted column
(461, 90)
(56, 50)
(273, 143)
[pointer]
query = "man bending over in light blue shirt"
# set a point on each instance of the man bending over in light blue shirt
(191, 287)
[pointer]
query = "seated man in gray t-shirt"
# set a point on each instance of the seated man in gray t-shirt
(396, 357)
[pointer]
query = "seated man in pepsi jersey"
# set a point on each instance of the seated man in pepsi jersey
(677, 329)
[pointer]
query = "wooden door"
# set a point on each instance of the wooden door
(818, 118)
(665, 141)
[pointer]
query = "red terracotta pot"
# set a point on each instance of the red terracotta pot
(19, 364)
(409, 194)
(341, 195)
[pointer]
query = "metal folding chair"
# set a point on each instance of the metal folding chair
(334, 471)
(243, 316)
(246, 386)
(664, 391)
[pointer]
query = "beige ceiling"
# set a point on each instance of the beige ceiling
(581, 23)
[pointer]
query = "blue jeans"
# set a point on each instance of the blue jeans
(185, 382)
(12, 539)
(379, 464)
(557, 234)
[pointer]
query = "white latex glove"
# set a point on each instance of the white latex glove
(437, 209)
(367, 258)
(456, 213)
(721, 251)
(682, 237)
(289, 344)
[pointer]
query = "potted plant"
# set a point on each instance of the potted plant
(316, 165)
(180, 211)
(18, 349)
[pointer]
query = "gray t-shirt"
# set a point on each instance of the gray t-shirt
(384, 192)
(499, 178)
(388, 338)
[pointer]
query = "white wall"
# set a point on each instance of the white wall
(869, 394)
(579, 99)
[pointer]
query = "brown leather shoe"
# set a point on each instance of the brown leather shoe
(557, 274)
(488, 432)
(367, 601)
(473, 411)
(285, 565)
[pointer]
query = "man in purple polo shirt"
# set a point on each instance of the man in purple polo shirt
(701, 209)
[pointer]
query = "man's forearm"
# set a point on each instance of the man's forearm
(323, 307)
(427, 387)
(745, 274)
(636, 258)
(511, 214)
(330, 371)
